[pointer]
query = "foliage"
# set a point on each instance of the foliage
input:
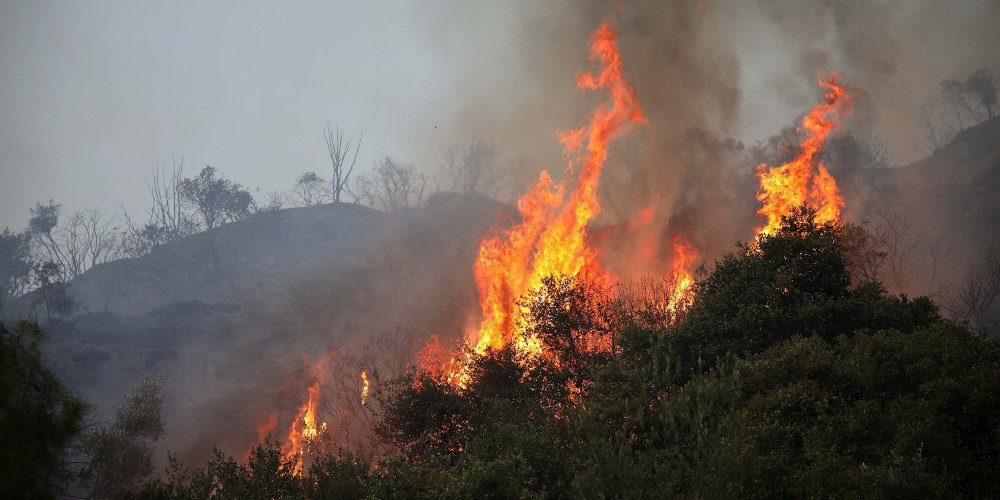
(52, 292)
(793, 283)
(15, 264)
(120, 455)
(217, 200)
(267, 473)
(785, 378)
(38, 417)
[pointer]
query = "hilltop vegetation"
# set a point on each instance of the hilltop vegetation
(783, 379)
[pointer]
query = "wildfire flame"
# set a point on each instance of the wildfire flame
(551, 237)
(681, 280)
(364, 387)
(304, 428)
(794, 183)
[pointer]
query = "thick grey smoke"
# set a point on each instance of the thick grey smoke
(704, 71)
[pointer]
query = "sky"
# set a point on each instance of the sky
(95, 94)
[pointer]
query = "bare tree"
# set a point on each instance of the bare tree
(865, 251)
(167, 211)
(83, 240)
(471, 168)
(391, 186)
(877, 153)
(310, 189)
(102, 236)
(975, 301)
(937, 251)
(901, 245)
(339, 150)
(968, 102)
(936, 130)
(274, 200)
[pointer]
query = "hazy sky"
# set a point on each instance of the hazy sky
(93, 94)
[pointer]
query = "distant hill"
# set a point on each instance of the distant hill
(292, 282)
(952, 196)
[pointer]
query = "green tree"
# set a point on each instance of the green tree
(795, 282)
(38, 417)
(15, 264)
(216, 199)
(120, 454)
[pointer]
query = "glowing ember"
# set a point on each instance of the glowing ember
(805, 179)
(550, 239)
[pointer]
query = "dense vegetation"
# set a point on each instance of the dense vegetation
(784, 378)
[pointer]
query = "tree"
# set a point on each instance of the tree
(339, 149)
(52, 292)
(310, 189)
(216, 200)
(120, 454)
(975, 98)
(391, 186)
(968, 102)
(796, 282)
(80, 241)
(167, 212)
(15, 264)
(472, 168)
(565, 315)
(38, 417)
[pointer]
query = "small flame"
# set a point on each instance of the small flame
(265, 428)
(788, 186)
(681, 280)
(304, 429)
(364, 387)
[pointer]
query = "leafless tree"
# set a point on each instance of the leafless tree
(471, 168)
(937, 250)
(866, 251)
(339, 150)
(310, 189)
(391, 186)
(877, 153)
(168, 211)
(103, 237)
(273, 201)
(80, 241)
(901, 245)
(936, 129)
(975, 301)
(967, 102)
(353, 376)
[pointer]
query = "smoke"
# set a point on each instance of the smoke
(714, 78)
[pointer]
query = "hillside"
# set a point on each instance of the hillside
(294, 282)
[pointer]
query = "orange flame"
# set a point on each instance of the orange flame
(550, 238)
(364, 387)
(788, 186)
(681, 280)
(265, 428)
(304, 429)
